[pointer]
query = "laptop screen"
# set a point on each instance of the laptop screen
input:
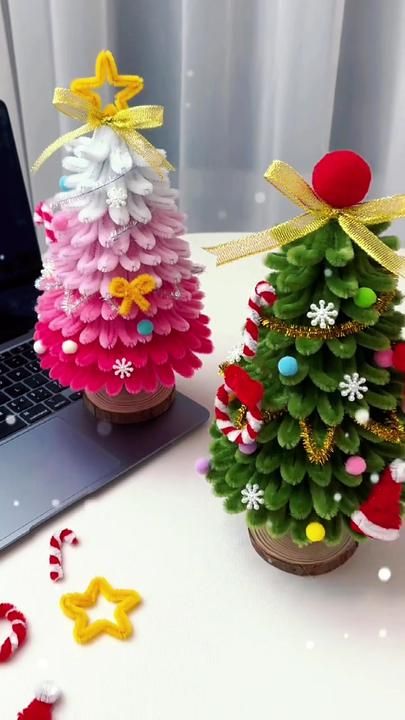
(20, 260)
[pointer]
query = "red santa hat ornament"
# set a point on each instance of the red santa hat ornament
(41, 708)
(379, 517)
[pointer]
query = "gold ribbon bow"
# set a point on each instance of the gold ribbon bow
(132, 292)
(353, 220)
(126, 123)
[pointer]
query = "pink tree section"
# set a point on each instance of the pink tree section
(84, 342)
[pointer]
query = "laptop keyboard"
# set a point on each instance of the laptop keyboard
(27, 394)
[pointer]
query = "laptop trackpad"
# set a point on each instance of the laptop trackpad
(41, 469)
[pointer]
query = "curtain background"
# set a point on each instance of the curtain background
(242, 82)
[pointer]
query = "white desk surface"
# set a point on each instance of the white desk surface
(221, 635)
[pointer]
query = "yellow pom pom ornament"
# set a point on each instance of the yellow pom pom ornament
(315, 532)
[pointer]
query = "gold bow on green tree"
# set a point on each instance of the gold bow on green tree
(81, 103)
(353, 220)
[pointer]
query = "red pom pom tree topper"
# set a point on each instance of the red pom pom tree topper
(341, 178)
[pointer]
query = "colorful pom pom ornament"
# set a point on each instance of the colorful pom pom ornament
(248, 449)
(287, 366)
(69, 347)
(383, 358)
(355, 465)
(60, 221)
(365, 297)
(145, 327)
(341, 178)
(62, 183)
(362, 416)
(315, 532)
(202, 465)
(39, 347)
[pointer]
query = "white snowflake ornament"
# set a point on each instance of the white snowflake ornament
(116, 197)
(252, 496)
(322, 315)
(353, 387)
(235, 354)
(123, 368)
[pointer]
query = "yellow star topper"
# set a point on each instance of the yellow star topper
(75, 606)
(106, 72)
(82, 103)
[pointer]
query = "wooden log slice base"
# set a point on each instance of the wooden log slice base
(126, 408)
(314, 559)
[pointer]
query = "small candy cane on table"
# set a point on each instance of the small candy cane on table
(264, 295)
(18, 633)
(43, 216)
(55, 558)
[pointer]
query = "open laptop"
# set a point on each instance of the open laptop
(52, 451)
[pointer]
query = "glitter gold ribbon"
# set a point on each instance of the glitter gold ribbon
(126, 123)
(391, 431)
(132, 292)
(315, 454)
(350, 327)
(353, 220)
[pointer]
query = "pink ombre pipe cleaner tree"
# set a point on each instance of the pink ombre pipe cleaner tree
(121, 308)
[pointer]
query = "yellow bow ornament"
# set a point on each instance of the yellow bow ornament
(81, 103)
(353, 220)
(132, 292)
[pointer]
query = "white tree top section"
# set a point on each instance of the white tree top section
(107, 176)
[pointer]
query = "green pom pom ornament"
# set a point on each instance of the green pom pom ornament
(365, 297)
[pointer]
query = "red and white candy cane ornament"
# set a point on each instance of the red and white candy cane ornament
(18, 633)
(43, 216)
(55, 558)
(250, 392)
(263, 295)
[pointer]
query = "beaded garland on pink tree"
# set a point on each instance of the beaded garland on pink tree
(116, 217)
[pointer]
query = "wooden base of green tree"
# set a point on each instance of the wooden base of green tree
(126, 408)
(314, 559)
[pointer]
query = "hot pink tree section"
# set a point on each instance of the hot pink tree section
(121, 304)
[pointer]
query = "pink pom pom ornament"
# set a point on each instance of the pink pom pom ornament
(355, 465)
(248, 449)
(383, 358)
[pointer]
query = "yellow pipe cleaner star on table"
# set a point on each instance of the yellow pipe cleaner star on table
(75, 606)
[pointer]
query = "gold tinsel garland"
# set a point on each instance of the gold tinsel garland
(315, 454)
(240, 417)
(268, 416)
(351, 327)
(393, 431)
